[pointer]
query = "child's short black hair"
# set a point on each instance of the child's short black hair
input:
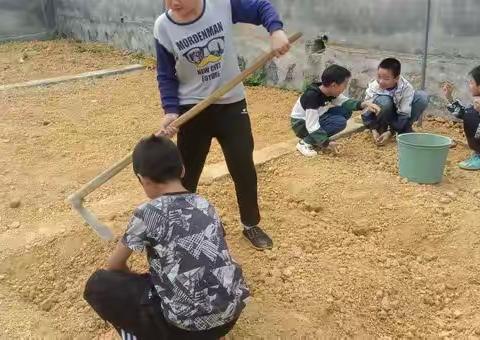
(157, 158)
(475, 73)
(393, 65)
(335, 74)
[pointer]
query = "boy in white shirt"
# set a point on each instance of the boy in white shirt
(401, 105)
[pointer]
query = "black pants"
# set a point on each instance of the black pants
(230, 124)
(471, 121)
(121, 299)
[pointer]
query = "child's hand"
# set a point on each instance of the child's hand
(383, 139)
(476, 103)
(167, 130)
(333, 148)
(375, 136)
(279, 42)
(372, 107)
(447, 89)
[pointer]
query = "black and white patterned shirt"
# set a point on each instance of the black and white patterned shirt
(199, 284)
(459, 110)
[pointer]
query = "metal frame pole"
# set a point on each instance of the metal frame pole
(425, 51)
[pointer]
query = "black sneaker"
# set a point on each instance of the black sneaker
(258, 238)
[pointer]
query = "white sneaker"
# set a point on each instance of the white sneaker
(306, 149)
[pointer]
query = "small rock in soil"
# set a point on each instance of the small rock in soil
(15, 225)
(385, 304)
(444, 334)
(362, 230)
(457, 314)
(287, 272)
(451, 194)
(15, 204)
(445, 200)
(47, 305)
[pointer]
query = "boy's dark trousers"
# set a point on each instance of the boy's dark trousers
(389, 117)
(331, 122)
(122, 299)
(471, 122)
(230, 124)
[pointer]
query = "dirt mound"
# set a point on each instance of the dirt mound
(25, 61)
(358, 252)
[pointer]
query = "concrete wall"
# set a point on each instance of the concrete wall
(369, 29)
(26, 19)
(394, 25)
(362, 32)
(124, 23)
(391, 25)
(363, 64)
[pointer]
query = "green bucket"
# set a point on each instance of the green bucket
(422, 156)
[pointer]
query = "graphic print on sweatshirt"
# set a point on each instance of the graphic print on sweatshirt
(205, 50)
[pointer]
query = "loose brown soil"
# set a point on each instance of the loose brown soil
(358, 251)
(33, 60)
